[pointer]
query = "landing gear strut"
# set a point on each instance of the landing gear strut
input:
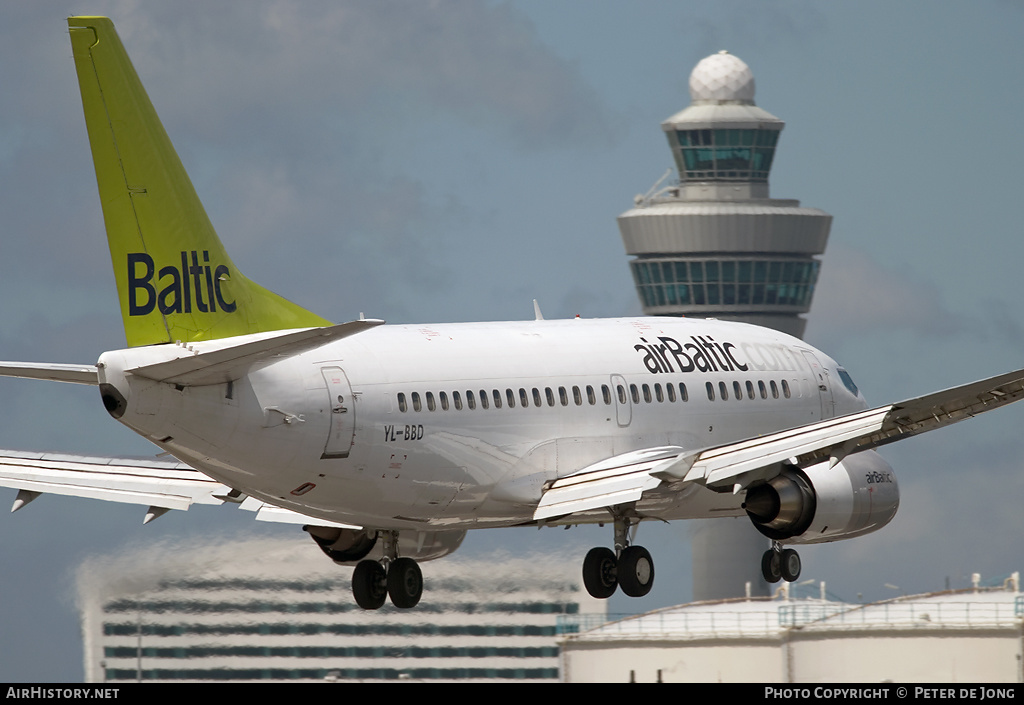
(401, 580)
(779, 563)
(628, 567)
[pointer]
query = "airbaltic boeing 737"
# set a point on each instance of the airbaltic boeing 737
(389, 442)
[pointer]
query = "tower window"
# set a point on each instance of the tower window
(724, 155)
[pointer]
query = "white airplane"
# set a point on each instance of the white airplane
(389, 442)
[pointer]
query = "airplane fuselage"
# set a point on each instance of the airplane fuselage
(456, 426)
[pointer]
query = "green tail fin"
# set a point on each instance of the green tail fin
(175, 281)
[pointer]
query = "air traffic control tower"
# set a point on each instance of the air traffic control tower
(714, 245)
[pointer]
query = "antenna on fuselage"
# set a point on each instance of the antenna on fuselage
(538, 316)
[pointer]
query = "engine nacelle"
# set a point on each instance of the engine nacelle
(349, 546)
(820, 504)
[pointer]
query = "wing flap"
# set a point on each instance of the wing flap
(617, 480)
(280, 515)
(150, 482)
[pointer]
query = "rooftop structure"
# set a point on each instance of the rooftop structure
(953, 636)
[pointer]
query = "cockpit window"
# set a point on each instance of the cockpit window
(848, 381)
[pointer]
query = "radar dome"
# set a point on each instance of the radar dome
(720, 78)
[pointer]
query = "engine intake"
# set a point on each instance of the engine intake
(784, 506)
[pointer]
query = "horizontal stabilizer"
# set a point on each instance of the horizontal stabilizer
(224, 364)
(76, 374)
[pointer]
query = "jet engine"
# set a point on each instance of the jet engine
(349, 546)
(820, 504)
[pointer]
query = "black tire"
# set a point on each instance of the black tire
(636, 571)
(790, 565)
(405, 582)
(600, 573)
(771, 566)
(369, 585)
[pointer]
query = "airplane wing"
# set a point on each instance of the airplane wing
(157, 483)
(625, 478)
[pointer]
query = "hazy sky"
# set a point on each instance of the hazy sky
(452, 160)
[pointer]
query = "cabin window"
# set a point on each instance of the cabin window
(775, 390)
(606, 394)
(785, 389)
(622, 393)
(536, 397)
(497, 399)
(635, 393)
(577, 396)
(416, 405)
(683, 396)
(457, 401)
(750, 390)
(711, 390)
(402, 406)
(524, 399)
(761, 388)
(483, 398)
(658, 394)
(723, 390)
(671, 392)
(647, 393)
(549, 394)
(563, 397)
(443, 398)
(591, 399)
(471, 400)
(430, 401)
(737, 390)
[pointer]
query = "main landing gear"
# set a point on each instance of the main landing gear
(780, 563)
(628, 567)
(402, 580)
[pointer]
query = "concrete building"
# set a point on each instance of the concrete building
(713, 244)
(278, 610)
(974, 635)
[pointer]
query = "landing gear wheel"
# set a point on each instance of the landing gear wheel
(771, 566)
(369, 585)
(636, 571)
(790, 565)
(405, 582)
(599, 573)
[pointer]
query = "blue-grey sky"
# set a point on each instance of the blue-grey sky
(452, 160)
